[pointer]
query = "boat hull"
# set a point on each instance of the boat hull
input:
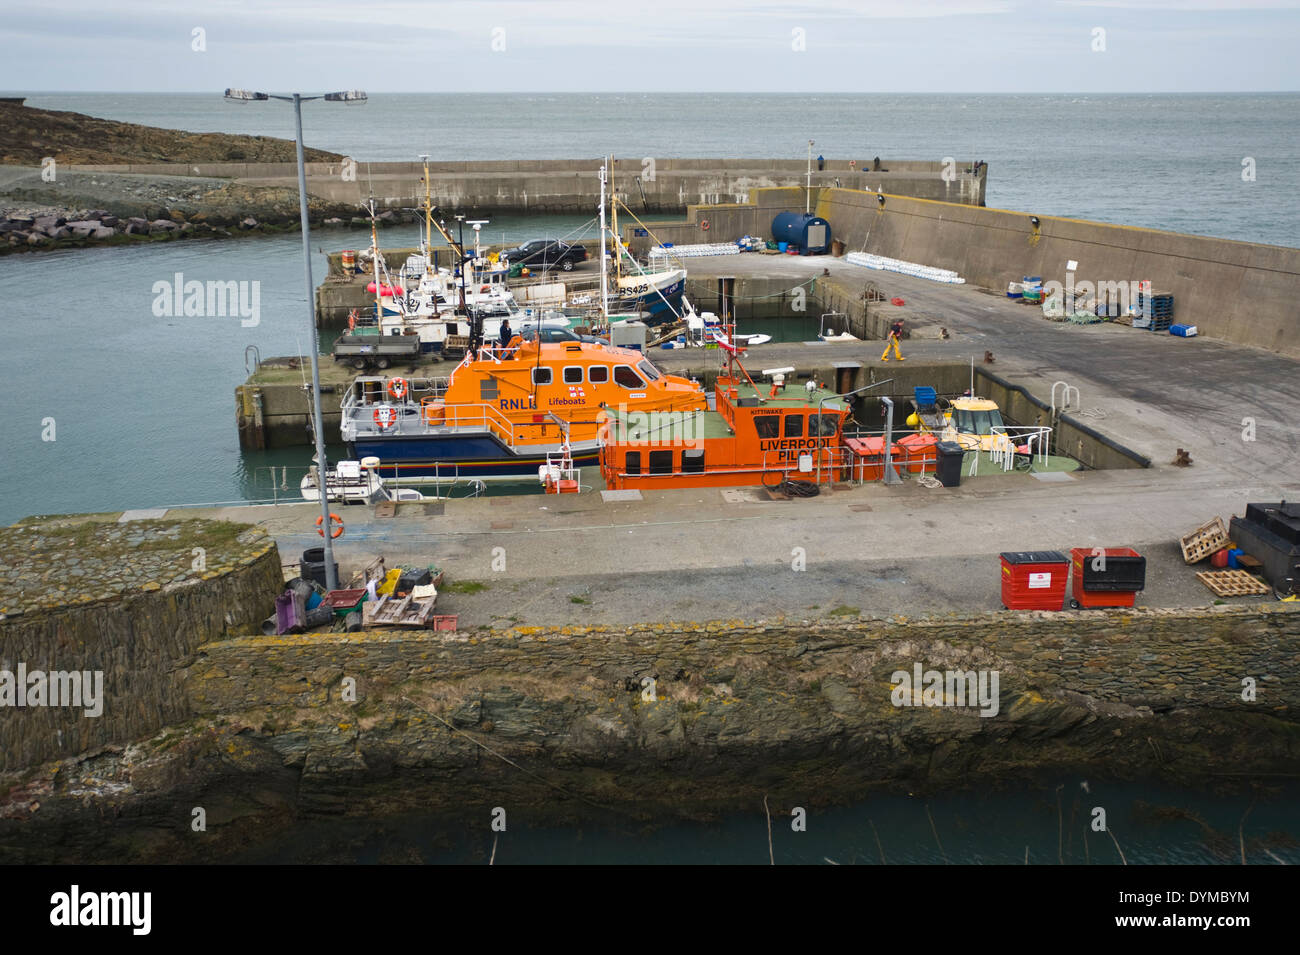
(475, 455)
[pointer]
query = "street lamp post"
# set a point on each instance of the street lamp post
(351, 96)
(807, 195)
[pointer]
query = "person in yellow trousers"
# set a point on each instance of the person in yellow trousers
(895, 333)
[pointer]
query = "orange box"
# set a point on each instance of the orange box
(869, 457)
(919, 452)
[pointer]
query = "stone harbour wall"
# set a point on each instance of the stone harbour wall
(125, 600)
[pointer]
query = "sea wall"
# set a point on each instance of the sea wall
(652, 184)
(131, 601)
(1130, 691)
(1239, 292)
(563, 725)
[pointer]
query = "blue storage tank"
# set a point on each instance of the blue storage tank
(809, 233)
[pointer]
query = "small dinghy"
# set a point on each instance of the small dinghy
(355, 482)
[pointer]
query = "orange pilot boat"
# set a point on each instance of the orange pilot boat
(505, 410)
(753, 435)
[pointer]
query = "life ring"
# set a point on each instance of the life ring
(485, 288)
(704, 224)
(335, 532)
(397, 387)
(385, 416)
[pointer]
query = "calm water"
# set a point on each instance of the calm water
(143, 406)
(1164, 161)
(1152, 824)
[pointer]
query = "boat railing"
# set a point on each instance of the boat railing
(1008, 441)
(832, 459)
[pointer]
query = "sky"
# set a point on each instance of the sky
(857, 46)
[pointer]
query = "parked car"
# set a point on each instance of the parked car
(554, 333)
(546, 254)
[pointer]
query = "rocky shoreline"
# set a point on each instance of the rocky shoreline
(40, 228)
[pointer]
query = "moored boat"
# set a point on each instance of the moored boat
(503, 410)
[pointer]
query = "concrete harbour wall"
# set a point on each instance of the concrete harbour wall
(1239, 292)
(657, 184)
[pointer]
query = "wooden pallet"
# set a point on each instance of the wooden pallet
(390, 611)
(1232, 583)
(1204, 541)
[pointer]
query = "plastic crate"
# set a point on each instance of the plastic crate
(1183, 331)
(444, 621)
(1121, 569)
(343, 602)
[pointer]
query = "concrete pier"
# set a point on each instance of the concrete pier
(646, 184)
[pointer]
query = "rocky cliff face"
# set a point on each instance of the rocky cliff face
(28, 135)
(564, 726)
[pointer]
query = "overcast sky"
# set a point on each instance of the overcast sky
(654, 45)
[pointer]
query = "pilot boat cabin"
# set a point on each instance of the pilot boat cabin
(751, 436)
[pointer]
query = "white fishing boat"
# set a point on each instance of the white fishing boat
(355, 482)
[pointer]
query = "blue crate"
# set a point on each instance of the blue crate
(925, 396)
(1183, 331)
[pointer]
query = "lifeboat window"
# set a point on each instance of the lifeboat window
(631, 464)
(487, 390)
(661, 462)
(768, 426)
(625, 376)
(598, 374)
(693, 462)
(830, 424)
(650, 371)
(573, 374)
(541, 376)
(794, 426)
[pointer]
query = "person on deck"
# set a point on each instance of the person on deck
(506, 333)
(895, 333)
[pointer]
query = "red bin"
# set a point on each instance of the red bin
(1115, 587)
(1034, 580)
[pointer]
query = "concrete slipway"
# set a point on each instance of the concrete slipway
(713, 554)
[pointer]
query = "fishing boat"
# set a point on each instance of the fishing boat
(503, 410)
(753, 435)
(354, 482)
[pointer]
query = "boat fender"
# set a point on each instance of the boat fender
(335, 532)
(398, 388)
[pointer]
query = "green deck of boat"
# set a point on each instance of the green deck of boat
(693, 426)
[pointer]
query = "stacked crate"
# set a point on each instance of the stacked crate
(1158, 307)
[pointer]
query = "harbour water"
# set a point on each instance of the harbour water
(140, 405)
(1153, 824)
(1163, 161)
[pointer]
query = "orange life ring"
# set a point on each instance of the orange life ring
(335, 532)
(397, 387)
(704, 224)
(485, 288)
(385, 416)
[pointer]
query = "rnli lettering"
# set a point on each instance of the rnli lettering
(517, 404)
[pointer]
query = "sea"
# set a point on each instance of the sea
(108, 404)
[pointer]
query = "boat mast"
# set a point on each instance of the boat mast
(604, 284)
(374, 256)
(428, 220)
(618, 244)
